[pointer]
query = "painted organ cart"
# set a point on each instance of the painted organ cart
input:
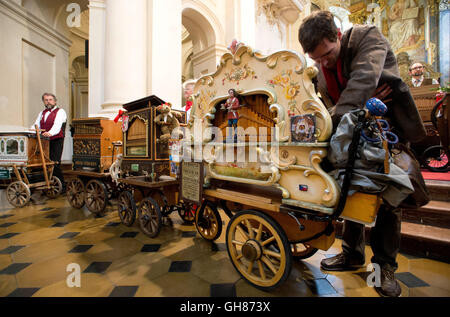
(96, 145)
(149, 184)
(280, 200)
(25, 166)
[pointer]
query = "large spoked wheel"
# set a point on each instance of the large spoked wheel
(302, 251)
(187, 212)
(55, 188)
(96, 196)
(75, 193)
(436, 159)
(127, 208)
(18, 194)
(259, 249)
(208, 221)
(149, 216)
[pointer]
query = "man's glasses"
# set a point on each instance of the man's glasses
(417, 67)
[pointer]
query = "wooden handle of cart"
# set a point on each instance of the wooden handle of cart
(44, 166)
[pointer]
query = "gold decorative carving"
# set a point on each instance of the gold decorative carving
(331, 192)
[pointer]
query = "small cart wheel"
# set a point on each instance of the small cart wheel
(127, 208)
(208, 221)
(55, 188)
(96, 196)
(75, 193)
(259, 249)
(149, 216)
(161, 200)
(302, 251)
(187, 212)
(436, 159)
(18, 194)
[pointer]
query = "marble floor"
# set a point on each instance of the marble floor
(39, 242)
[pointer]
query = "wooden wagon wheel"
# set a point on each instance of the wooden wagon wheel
(18, 194)
(75, 193)
(96, 196)
(126, 208)
(259, 249)
(187, 212)
(149, 216)
(55, 187)
(162, 202)
(208, 221)
(302, 251)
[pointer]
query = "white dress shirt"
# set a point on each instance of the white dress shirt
(60, 118)
(418, 82)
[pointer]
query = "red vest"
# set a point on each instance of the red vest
(48, 124)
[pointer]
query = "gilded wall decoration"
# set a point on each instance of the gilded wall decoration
(271, 10)
(409, 25)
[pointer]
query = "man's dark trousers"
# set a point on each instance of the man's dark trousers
(384, 238)
(56, 149)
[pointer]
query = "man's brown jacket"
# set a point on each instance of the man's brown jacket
(368, 62)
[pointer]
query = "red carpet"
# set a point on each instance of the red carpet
(436, 176)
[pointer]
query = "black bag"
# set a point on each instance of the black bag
(404, 158)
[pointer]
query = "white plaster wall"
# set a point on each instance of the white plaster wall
(33, 57)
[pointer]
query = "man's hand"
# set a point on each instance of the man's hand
(383, 92)
(46, 134)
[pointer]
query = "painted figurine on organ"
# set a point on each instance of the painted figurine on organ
(232, 105)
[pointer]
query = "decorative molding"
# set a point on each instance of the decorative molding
(27, 19)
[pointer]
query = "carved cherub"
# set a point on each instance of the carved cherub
(168, 122)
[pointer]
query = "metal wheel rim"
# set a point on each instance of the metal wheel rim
(75, 193)
(95, 197)
(187, 212)
(437, 163)
(270, 268)
(149, 217)
(126, 208)
(211, 231)
(18, 194)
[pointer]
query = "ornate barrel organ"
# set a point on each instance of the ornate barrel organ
(282, 125)
(144, 154)
(93, 143)
(21, 148)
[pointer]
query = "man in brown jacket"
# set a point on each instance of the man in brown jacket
(353, 67)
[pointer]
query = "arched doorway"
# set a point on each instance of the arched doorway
(203, 41)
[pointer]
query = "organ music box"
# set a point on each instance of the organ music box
(20, 148)
(94, 142)
(146, 144)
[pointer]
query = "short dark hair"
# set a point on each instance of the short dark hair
(48, 94)
(315, 28)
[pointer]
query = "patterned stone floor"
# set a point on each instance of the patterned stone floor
(39, 241)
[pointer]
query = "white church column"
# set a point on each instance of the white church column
(97, 20)
(125, 75)
(165, 50)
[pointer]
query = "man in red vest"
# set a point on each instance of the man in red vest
(53, 120)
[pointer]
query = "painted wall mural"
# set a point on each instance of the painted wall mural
(411, 26)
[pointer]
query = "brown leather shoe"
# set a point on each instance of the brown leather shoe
(389, 285)
(341, 262)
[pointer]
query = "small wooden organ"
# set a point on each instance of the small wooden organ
(143, 152)
(94, 142)
(21, 148)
